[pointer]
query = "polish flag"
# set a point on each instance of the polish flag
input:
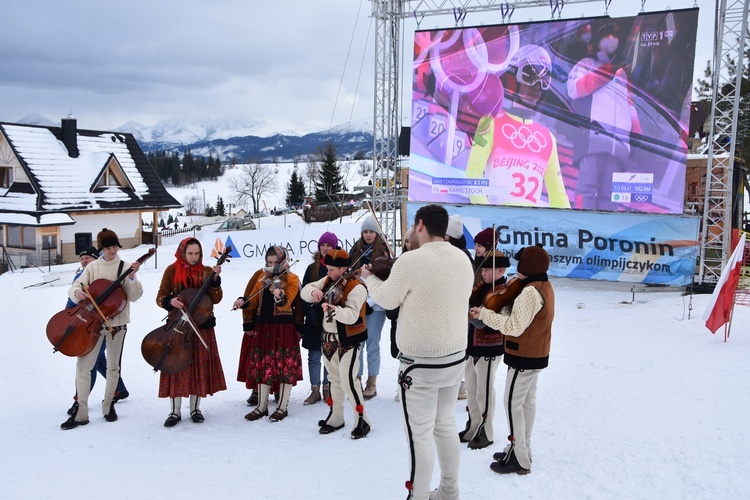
(719, 309)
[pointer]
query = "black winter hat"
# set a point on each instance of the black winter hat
(107, 238)
(496, 260)
(532, 260)
(90, 251)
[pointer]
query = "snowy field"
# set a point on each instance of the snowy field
(639, 401)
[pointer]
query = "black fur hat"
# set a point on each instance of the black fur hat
(107, 238)
(496, 260)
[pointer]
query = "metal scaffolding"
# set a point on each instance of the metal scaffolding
(729, 48)
(729, 44)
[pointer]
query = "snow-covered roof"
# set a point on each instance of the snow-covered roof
(61, 183)
(55, 219)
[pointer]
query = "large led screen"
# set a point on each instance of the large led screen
(589, 114)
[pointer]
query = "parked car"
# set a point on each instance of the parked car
(235, 224)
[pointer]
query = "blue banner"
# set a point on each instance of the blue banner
(635, 248)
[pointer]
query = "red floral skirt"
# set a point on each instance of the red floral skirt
(203, 376)
(271, 357)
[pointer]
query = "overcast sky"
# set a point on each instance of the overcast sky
(276, 61)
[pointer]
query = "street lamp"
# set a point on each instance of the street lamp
(204, 201)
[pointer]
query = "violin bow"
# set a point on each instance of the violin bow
(282, 273)
(186, 317)
(382, 233)
(486, 256)
(85, 290)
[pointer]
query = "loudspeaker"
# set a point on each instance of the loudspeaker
(83, 240)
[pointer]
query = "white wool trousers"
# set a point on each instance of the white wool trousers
(342, 375)
(429, 390)
(480, 386)
(87, 362)
(520, 409)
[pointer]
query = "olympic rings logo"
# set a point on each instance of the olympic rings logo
(524, 138)
(640, 198)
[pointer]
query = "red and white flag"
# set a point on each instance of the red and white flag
(719, 309)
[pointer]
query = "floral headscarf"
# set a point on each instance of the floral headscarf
(281, 265)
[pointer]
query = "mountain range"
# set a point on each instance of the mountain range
(240, 138)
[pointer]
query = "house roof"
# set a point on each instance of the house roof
(59, 183)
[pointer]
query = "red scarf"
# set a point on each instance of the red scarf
(186, 275)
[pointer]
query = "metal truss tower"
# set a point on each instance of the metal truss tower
(729, 49)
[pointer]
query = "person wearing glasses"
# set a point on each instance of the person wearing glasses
(516, 154)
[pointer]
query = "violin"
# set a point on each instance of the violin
(170, 348)
(499, 297)
(75, 331)
(381, 267)
(273, 285)
(267, 282)
(335, 293)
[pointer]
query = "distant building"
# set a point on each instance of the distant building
(60, 186)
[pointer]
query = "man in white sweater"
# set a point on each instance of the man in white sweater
(432, 286)
(109, 266)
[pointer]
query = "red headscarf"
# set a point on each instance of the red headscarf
(186, 275)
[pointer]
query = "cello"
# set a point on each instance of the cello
(170, 348)
(75, 331)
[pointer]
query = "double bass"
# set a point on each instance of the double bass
(75, 331)
(170, 348)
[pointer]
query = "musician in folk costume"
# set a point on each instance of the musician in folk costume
(109, 267)
(527, 327)
(485, 346)
(88, 255)
(342, 302)
(204, 375)
(274, 362)
(432, 285)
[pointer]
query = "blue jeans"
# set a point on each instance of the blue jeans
(375, 322)
(313, 366)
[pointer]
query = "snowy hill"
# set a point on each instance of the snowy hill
(243, 138)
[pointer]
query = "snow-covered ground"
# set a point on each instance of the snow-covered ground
(639, 401)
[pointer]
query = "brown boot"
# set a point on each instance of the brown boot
(314, 396)
(371, 390)
(326, 392)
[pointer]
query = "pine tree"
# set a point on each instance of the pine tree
(295, 195)
(704, 92)
(329, 181)
(170, 221)
(220, 209)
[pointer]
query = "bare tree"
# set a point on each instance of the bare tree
(310, 172)
(192, 203)
(255, 181)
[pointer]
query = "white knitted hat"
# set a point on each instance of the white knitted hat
(455, 227)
